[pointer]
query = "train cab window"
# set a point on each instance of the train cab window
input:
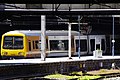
(8, 42)
(13, 42)
(29, 46)
(18, 42)
(103, 44)
(92, 44)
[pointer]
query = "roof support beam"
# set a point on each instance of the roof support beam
(61, 12)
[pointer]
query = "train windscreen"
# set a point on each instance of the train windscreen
(13, 42)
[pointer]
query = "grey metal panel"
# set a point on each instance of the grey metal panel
(60, 33)
(48, 33)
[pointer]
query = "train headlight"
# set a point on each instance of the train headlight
(5, 53)
(20, 53)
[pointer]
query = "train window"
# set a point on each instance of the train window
(92, 44)
(54, 44)
(18, 42)
(8, 42)
(8, 38)
(33, 44)
(29, 46)
(47, 43)
(36, 44)
(98, 46)
(65, 44)
(39, 44)
(13, 42)
(83, 45)
(103, 44)
(72, 42)
(58, 44)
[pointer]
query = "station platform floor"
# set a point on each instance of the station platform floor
(58, 59)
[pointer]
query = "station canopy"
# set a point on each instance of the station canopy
(31, 17)
(59, 1)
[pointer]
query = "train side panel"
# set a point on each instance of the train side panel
(58, 45)
(94, 40)
(83, 45)
(32, 46)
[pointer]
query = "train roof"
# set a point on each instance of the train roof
(38, 32)
(60, 32)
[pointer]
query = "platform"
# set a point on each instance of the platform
(59, 59)
(33, 67)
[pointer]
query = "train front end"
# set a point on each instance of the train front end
(12, 46)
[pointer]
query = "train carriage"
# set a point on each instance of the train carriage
(24, 43)
(20, 44)
(89, 42)
(58, 42)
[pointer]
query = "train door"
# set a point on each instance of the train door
(97, 42)
(83, 44)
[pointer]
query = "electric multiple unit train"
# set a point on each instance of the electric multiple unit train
(25, 43)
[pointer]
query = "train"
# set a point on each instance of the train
(25, 44)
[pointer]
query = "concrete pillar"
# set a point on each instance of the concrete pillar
(69, 36)
(43, 37)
